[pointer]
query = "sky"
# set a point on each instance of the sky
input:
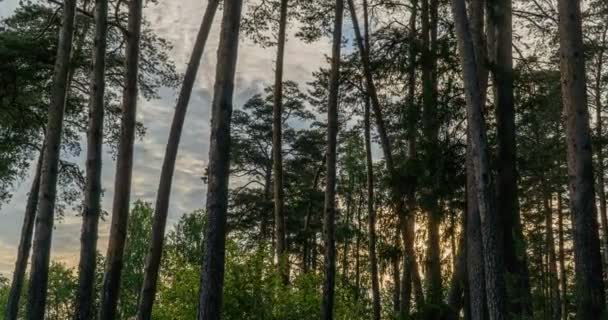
(178, 22)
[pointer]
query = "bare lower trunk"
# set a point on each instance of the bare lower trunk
(329, 219)
(92, 201)
(277, 150)
(308, 236)
(589, 295)
(561, 257)
(554, 294)
(49, 170)
(500, 31)
(212, 274)
(599, 149)
(25, 244)
(493, 257)
(124, 170)
(475, 283)
(148, 290)
(371, 213)
(456, 293)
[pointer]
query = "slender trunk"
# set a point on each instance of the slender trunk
(456, 293)
(92, 200)
(277, 150)
(431, 131)
(124, 170)
(357, 250)
(500, 30)
(475, 283)
(25, 244)
(493, 264)
(212, 274)
(562, 257)
(329, 219)
(306, 254)
(587, 257)
(347, 218)
(554, 294)
(599, 148)
(396, 275)
(371, 214)
(407, 233)
(148, 290)
(49, 170)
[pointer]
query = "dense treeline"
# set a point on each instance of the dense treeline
(446, 163)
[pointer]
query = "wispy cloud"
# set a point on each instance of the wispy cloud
(178, 22)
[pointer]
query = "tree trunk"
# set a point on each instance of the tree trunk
(277, 149)
(92, 200)
(493, 264)
(501, 32)
(456, 292)
(358, 250)
(25, 244)
(49, 170)
(329, 219)
(308, 241)
(371, 214)
(475, 283)
(124, 170)
(599, 148)
(431, 131)
(554, 294)
(153, 260)
(587, 257)
(561, 256)
(346, 220)
(396, 276)
(212, 274)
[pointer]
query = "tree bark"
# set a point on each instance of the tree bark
(501, 32)
(308, 242)
(475, 265)
(124, 169)
(49, 170)
(553, 282)
(212, 274)
(92, 201)
(589, 295)
(493, 257)
(456, 292)
(277, 149)
(599, 148)
(371, 214)
(25, 244)
(329, 219)
(562, 257)
(153, 260)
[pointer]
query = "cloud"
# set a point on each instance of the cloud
(178, 22)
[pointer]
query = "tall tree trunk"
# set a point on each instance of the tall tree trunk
(148, 290)
(554, 294)
(587, 257)
(277, 149)
(25, 244)
(92, 197)
(493, 264)
(308, 241)
(431, 131)
(475, 283)
(562, 257)
(371, 214)
(456, 293)
(212, 274)
(124, 169)
(601, 192)
(49, 170)
(396, 276)
(329, 219)
(346, 221)
(358, 250)
(500, 30)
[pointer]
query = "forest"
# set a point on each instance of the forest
(446, 162)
